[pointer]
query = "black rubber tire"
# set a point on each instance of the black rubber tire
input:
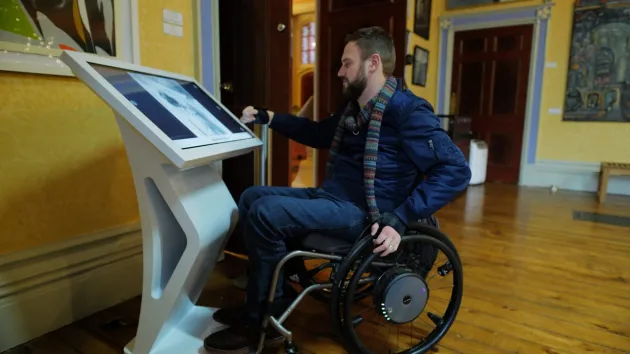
(362, 248)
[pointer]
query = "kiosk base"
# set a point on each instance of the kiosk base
(187, 216)
(188, 336)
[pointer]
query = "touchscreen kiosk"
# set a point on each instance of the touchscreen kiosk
(172, 129)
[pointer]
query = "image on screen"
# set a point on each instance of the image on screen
(183, 111)
(181, 104)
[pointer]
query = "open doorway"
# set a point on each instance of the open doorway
(304, 33)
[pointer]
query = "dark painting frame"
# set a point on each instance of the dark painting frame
(422, 18)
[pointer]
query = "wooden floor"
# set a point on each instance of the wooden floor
(536, 281)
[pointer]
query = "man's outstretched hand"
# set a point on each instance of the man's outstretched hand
(249, 115)
(388, 239)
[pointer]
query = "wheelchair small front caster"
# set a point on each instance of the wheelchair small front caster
(290, 348)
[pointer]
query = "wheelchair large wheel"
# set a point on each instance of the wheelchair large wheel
(401, 298)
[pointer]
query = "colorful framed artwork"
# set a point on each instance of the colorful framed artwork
(598, 79)
(33, 33)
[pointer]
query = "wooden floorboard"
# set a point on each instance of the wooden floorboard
(536, 280)
(48, 344)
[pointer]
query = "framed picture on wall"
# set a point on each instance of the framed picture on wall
(33, 33)
(420, 66)
(422, 18)
(598, 81)
(458, 4)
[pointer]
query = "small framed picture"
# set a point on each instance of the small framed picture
(420, 66)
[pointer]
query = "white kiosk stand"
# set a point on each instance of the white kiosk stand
(172, 129)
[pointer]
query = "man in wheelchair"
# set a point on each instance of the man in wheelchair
(390, 164)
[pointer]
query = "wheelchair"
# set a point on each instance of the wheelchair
(397, 285)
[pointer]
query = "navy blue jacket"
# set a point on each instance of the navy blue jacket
(419, 168)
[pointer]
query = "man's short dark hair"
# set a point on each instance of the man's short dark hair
(374, 40)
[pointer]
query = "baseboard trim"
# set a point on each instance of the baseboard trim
(577, 176)
(49, 287)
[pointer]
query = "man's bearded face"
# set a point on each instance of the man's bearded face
(352, 89)
(353, 72)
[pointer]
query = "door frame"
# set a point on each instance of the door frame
(207, 45)
(538, 16)
(207, 51)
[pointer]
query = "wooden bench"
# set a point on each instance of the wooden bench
(610, 169)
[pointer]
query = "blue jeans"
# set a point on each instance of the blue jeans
(271, 216)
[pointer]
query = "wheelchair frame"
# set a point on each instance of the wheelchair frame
(277, 323)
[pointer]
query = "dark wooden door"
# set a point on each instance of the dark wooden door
(255, 62)
(489, 81)
(336, 18)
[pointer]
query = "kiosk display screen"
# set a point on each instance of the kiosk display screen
(183, 111)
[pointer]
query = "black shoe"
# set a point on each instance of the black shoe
(231, 316)
(236, 316)
(239, 340)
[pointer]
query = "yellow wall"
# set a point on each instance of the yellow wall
(63, 168)
(176, 54)
(557, 140)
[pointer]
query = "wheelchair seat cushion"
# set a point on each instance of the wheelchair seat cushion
(325, 244)
(319, 242)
